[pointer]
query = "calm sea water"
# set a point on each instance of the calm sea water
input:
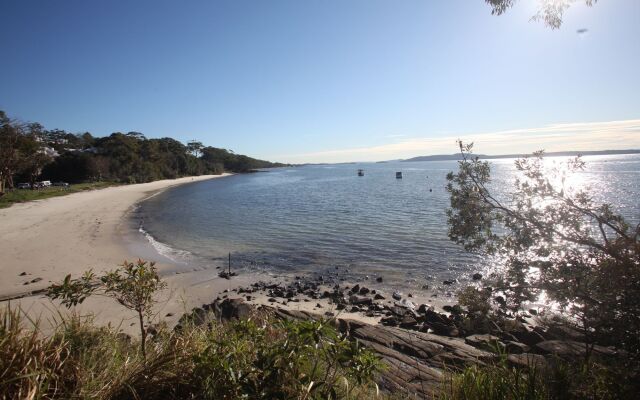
(317, 218)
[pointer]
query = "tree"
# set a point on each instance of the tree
(21, 151)
(549, 11)
(72, 167)
(133, 285)
(195, 148)
(9, 155)
(555, 239)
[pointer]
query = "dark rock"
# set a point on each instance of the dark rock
(565, 332)
(516, 347)
(570, 349)
(379, 279)
(355, 309)
(449, 282)
(360, 300)
(485, 342)
(355, 289)
(389, 321)
(272, 300)
(477, 276)
(397, 295)
(408, 322)
(329, 314)
(364, 290)
(22, 274)
(318, 305)
(443, 329)
(432, 317)
(527, 360)
(169, 315)
(378, 296)
(35, 280)
(530, 338)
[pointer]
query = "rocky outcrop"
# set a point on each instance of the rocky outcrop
(418, 345)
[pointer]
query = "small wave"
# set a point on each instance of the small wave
(175, 255)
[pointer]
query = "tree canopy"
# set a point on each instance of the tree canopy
(552, 239)
(549, 11)
(29, 152)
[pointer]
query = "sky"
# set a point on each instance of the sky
(327, 81)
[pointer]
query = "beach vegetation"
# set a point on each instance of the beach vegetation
(21, 196)
(552, 240)
(134, 285)
(261, 358)
(557, 379)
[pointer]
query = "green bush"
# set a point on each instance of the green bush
(256, 359)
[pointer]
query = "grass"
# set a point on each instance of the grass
(559, 380)
(256, 359)
(24, 195)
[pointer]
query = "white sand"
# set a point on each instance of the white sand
(51, 238)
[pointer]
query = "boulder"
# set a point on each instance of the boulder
(444, 329)
(570, 349)
(485, 342)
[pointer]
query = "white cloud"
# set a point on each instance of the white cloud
(612, 135)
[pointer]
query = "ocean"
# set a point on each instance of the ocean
(320, 219)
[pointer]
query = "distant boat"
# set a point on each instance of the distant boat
(360, 172)
(398, 175)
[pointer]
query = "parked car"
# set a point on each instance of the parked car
(63, 184)
(24, 186)
(44, 183)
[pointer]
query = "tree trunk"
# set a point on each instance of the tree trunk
(143, 336)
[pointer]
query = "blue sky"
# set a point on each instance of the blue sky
(333, 80)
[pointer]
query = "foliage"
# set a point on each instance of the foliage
(21, 151)
(549, 11)
(133, 286)
(553, 239)
(475, 300)
(29, 152)
(285, 360)
(555, 380)
(81, 360)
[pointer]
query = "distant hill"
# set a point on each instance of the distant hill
(457, 156)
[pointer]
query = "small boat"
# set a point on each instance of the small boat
(360, 172)
(398, 175)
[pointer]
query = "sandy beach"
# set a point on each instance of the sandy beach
(43, 241)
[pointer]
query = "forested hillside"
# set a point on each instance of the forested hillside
(29, 152)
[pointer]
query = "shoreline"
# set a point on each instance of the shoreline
(43, 241)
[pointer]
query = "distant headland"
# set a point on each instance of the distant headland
(457, 156)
